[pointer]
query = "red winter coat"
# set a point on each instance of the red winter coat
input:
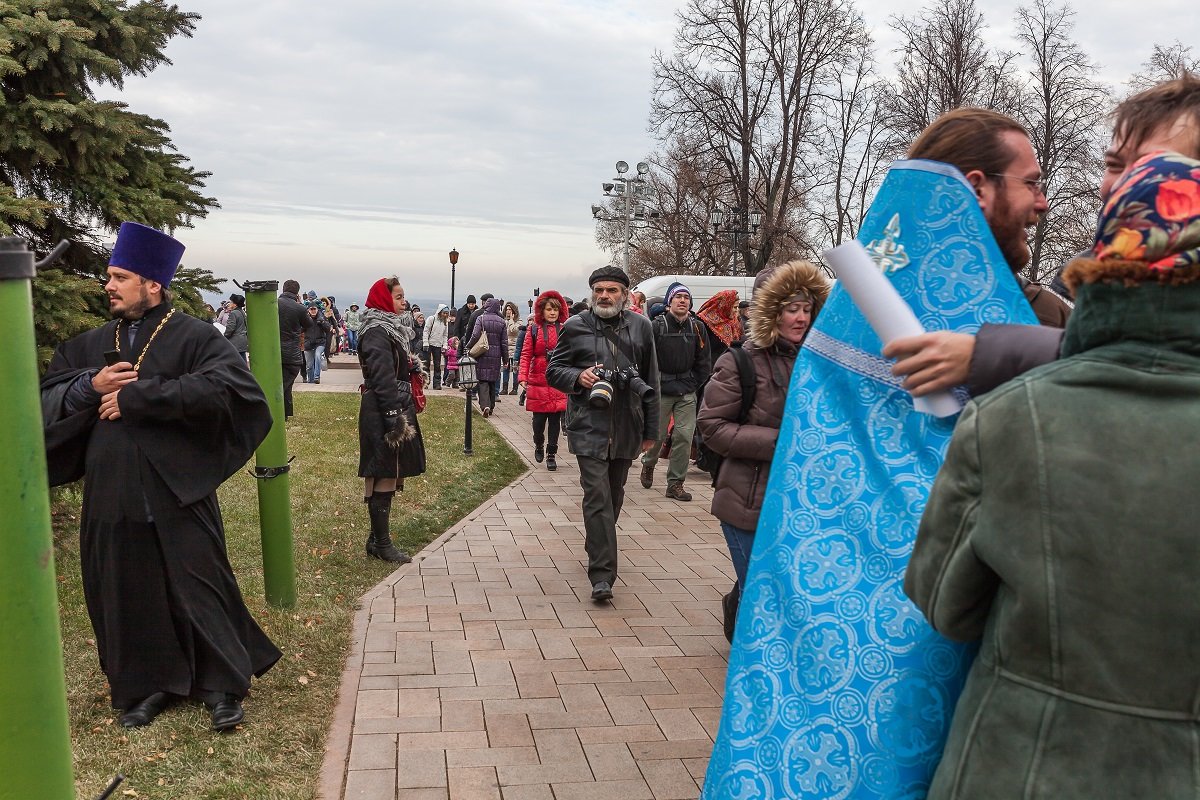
(540, 339)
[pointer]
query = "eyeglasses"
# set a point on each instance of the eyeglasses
(1035, 185)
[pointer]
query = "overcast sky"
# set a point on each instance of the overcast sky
(361, 138)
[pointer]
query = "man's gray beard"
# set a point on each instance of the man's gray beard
(610, 311)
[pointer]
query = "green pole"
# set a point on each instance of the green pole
(35, 739)
(271, 460)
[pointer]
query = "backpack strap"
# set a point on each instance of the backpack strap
(748, 376)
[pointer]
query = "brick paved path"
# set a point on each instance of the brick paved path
(482, 669)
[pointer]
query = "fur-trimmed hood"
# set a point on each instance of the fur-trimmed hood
(784, 283)
(539, 307)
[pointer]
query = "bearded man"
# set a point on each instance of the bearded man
(606, 364)
(154, 410)
(1163, 117)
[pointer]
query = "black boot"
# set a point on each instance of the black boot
(379, 543)
(551, 452)
(729, 609)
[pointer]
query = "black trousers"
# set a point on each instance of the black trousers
(540, 421)
(435, 365)
(487, 391)
(290, 371)
(603, 484)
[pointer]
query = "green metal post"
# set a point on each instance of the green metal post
(271, 459)
(35, 740)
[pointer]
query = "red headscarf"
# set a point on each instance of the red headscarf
(380, 297)
(719, 313)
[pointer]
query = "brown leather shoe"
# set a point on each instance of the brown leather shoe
(647, 475)
(675, 491)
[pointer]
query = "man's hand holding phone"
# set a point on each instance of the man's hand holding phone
(109, 381)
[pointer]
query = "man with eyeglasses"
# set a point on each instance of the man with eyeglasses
(994, 154)
(1163, 117)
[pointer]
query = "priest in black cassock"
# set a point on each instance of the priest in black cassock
(154, 410)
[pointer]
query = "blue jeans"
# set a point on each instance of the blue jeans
(352, 340)
(741, 543)
(312, 363)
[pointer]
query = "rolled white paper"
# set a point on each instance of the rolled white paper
(890, 317)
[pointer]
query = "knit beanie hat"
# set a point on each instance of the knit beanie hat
(676, 288)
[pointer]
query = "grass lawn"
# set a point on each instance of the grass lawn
(277, 752)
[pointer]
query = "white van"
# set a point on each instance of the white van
(702, 287)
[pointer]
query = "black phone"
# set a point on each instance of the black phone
(112, 357)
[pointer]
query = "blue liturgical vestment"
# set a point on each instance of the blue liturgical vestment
(837, 686)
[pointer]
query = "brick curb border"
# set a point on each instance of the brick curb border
(331, 784)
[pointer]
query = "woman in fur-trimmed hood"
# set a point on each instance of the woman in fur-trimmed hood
(546, 403)
(785, 303)
(1063, 524)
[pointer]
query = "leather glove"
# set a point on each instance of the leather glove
(391, 421)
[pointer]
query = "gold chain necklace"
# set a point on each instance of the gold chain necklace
(146, 349)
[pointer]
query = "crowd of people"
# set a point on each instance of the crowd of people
(1044, 529)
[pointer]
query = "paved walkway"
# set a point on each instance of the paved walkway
(482, 669)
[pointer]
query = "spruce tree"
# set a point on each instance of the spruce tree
(74, 167)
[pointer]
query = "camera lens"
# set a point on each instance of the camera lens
(601, 394)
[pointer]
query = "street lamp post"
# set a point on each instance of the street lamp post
(468, 378)
(635, 210)
(736, 224)
(453, 264)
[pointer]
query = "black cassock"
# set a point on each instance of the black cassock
(163, 600)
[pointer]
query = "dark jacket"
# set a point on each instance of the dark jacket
(1002, 352)
(386, 389)
(293, 322)
(461, 320)
(491, 325)
(618, 431)
(749, 447)
(683, 354)
(235, 330)
(1061, 531)
(318, 329)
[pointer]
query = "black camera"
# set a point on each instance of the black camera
(612, 380)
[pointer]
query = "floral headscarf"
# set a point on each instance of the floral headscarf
(719, 313)
(1153, 215)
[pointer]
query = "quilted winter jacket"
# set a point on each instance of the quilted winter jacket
(538, 343)
(749, 447)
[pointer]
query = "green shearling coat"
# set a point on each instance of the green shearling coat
(1064, 531)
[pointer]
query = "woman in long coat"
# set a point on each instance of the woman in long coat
(389, 437)
(546, 403)
(491, 325)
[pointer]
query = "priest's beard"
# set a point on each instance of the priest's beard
(1009, 230)
(136, 308)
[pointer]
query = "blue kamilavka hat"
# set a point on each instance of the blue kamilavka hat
(150, 253)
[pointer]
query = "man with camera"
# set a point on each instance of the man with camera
(605, 363)
(684, 366)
